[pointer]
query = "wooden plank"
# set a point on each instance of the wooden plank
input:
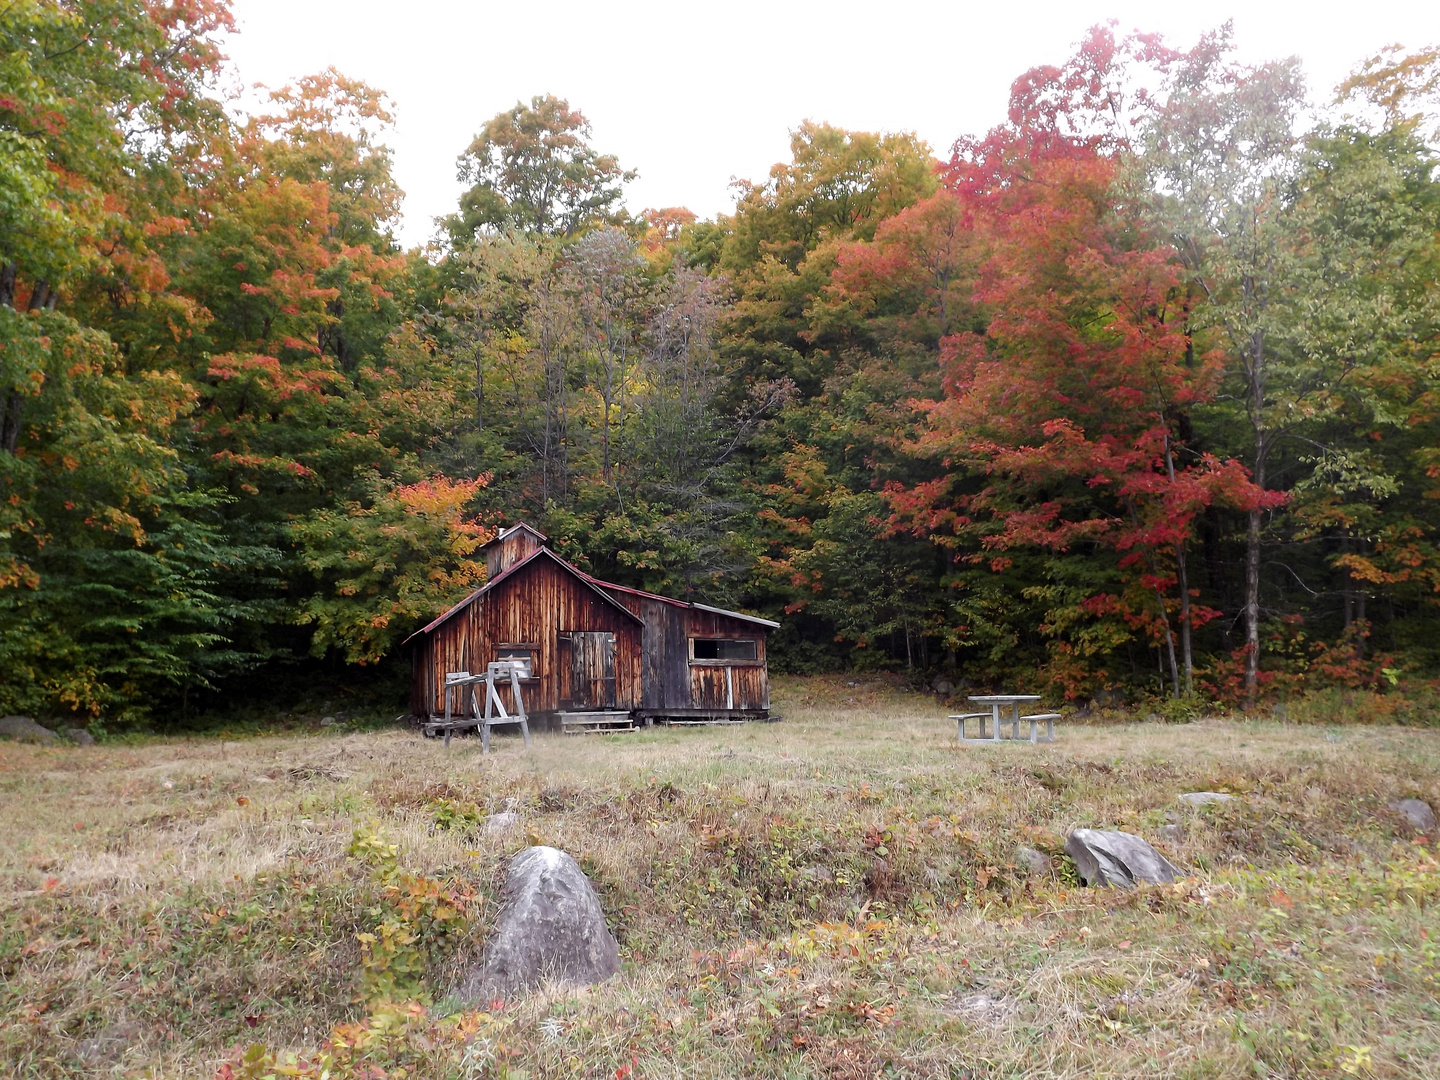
(751, 687)
(674, 692)
(533, 606)
(592, 666)
(748, 684)
(596, 722)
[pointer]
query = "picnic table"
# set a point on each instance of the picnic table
(997, 702)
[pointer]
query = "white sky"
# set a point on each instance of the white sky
(693, 94)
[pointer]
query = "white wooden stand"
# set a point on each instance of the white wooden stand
(494, 713)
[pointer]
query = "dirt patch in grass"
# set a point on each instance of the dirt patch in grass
(837, 895)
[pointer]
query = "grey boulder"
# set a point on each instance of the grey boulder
(502, 822)
(1031, 862)
(1108, 858)
(1205, 798)
(109, 1043)
(23, 729)
(1414, 812)
(550, 928)
(79, 736)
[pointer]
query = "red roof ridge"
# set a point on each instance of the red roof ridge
(637, 592)
(692, 605)
(593, 583)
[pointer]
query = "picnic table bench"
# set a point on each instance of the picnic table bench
(1012, 702)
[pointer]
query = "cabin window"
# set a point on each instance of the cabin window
(523, 655)
(723, 649)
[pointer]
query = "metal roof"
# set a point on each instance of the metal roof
(736, 615)
(638, 592)
(685, 603)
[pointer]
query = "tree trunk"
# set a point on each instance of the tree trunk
(1183, 576)
(1160, 601)
(1186, 657)
(1252, 607)
(1256, 376)
(10, 422)
(1347, 593)
(1252, 580)
(39, 294)
(10, 416)
(1360, 618)
(1169, 644)
(479, 389)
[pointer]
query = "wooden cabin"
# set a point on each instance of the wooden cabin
(591, 648)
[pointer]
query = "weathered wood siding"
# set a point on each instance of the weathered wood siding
(728, 687)
(731, 684)
(665, 650)
(592, 670)
(672, 682)
(532, 607)
(508, 550)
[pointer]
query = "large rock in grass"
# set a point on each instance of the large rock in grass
(1029, 861)
(1198, 799)
(1108, 858)
(551, 928)
(23, 729)
(1414, 812)
(502, 822)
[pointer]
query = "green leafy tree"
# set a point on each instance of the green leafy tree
(783, 238)
(85, 91)
(532, 169)
(387, 564)
(1305, 252)
(869, 586)
(112, 565)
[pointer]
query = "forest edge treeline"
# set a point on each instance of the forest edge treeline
(1135, 391)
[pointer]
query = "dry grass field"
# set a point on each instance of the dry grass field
(836, 895)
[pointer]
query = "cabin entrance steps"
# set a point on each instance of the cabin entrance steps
(596, 721)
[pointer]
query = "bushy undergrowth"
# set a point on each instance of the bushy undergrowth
(1415, 704)
(839, 895)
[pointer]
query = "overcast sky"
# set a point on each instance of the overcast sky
(693, 94)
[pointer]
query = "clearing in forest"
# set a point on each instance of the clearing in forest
(843, 894)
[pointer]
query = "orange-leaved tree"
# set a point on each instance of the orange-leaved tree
(388, 562)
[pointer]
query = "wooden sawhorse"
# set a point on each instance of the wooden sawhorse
(494, 713)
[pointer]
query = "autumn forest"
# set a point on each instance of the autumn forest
(1137, 392)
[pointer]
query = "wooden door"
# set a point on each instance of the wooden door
(592, 670)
